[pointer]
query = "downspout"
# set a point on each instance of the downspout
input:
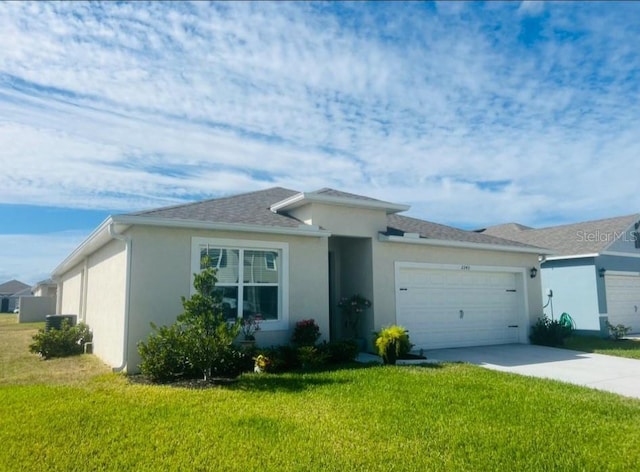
(58, 295)
(127, 284)
(85, 289)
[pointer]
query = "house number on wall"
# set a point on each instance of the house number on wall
(465, 267)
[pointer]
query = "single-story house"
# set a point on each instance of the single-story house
(594, 274)
(10, 293)
(289, 256)
(45, 288)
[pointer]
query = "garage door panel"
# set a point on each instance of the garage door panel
(477, 336)
(623, 300)
(449, 308)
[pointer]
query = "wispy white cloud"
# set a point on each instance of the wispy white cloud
(131, 105)
(531, 7)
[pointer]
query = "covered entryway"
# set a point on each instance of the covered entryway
(350, 272)
(454, 306)
(623, 299)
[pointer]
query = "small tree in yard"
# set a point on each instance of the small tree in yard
(203, 337)
(208, 335)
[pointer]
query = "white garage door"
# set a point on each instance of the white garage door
(455, 308)
(623, 300)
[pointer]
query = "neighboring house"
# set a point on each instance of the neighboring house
(45, 288)
(36, 307)
(290, 256)
(10, 293)
(594, 273)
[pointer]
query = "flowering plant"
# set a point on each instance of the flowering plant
(249, 326)
(261, 364)
(305, 333)
(352, 308)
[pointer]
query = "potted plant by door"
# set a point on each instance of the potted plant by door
(353, 309)
(248, 327)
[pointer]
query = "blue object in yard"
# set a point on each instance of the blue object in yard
(566, 321)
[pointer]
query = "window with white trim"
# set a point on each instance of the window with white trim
(250, 275)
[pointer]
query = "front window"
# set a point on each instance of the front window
(250, 276)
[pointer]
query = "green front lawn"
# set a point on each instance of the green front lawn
(450, 417)
(621, 348)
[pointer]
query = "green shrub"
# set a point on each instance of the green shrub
(548, 332)
(338, 352)
(618, 331)
(163, 355)
(199, 343)
(393, 342)
(311, 356)
(66, 341)
(305, 333)
(231, 362)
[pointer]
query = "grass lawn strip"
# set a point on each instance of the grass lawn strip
(629, 348)
(449, 417)
(19, 367)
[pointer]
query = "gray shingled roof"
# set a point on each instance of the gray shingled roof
(397, 225)
(254, 209)
(248, 208)
(568, 240)
(12, 286)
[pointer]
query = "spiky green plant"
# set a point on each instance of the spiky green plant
(393, 342)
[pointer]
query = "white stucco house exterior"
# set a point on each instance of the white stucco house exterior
(593, 273)
(290, 256)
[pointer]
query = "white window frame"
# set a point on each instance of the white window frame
(198, 243)
(270, 263)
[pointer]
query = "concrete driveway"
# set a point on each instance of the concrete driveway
(612, 374)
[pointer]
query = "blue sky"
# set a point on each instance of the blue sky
(472, 113)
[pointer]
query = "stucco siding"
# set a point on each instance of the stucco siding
(161, 273)
(105, 301)
(71, 297)
(385, 254)
(574, 292)
(342, 220)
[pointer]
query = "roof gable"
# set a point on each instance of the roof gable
(331, 196)
(12, 286)
(589, 237)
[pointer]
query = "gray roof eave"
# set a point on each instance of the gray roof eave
(466, 244)
(301, 230)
